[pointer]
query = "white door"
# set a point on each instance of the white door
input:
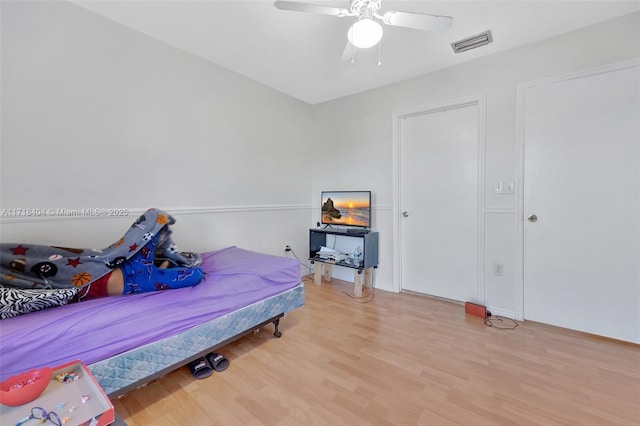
(439, 195)
(582, 203)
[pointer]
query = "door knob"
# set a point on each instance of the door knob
(405, 213)
(532, 218)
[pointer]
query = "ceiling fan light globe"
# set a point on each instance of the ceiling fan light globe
(365, 33)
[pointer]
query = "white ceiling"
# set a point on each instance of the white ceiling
(300, 53)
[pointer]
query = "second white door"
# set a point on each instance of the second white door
(581, 251)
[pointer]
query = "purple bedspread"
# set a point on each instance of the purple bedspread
(98, 329)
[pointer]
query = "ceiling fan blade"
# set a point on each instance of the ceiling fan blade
(418, 21)
(349, 53)
(310, 8)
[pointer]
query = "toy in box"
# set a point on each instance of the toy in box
(71, 397)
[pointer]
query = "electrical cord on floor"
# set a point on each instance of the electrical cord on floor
(489, 321)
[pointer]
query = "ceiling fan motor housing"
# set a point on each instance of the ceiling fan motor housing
(365, 8)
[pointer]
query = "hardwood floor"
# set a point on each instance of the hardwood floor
(402, 359)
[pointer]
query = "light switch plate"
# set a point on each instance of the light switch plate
(510, 187)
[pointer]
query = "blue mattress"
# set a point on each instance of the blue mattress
(136, 366)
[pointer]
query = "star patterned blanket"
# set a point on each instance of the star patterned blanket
(59, 272)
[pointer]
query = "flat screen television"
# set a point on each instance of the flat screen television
(349, 208)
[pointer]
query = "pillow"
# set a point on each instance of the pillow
(18, 301)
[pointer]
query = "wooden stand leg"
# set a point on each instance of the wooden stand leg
(360, 279)
(317, 273)
(357, 283)
(319, 270)
(327, 272)
(368, 278)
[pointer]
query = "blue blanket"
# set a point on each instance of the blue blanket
(30, 266)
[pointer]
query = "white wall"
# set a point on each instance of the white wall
(357, 141)
(95, 115)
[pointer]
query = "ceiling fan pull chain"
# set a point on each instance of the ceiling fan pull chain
(379, 55)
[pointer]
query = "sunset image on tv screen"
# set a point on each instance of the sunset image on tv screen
(346, 208)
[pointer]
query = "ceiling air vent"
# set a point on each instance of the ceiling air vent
(469, 43)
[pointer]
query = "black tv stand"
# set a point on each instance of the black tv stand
(369, 260)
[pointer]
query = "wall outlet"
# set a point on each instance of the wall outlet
(287, 248)
(498, 269)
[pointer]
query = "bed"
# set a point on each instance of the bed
(127, 341)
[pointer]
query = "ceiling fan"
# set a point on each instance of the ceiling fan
(366, 31)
